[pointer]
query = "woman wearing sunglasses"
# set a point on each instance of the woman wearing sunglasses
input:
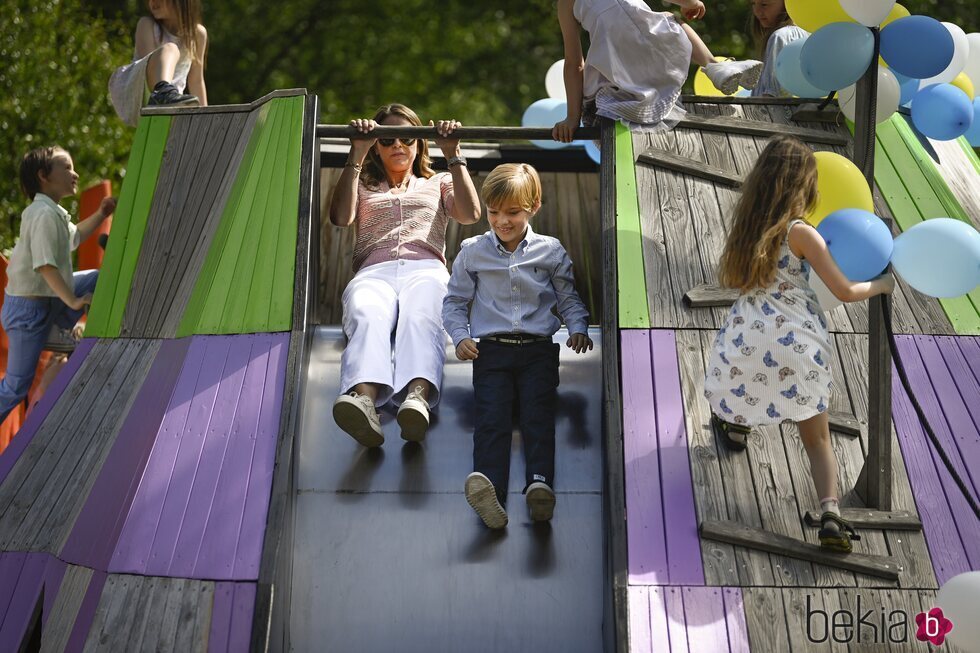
(401, 209)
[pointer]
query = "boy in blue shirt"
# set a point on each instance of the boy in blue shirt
(514, 278)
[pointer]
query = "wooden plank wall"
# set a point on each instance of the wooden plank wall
(687, 620)
(569, 212)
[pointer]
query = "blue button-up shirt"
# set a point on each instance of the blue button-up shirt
(512, 292)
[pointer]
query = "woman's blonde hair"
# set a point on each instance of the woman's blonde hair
(760, 34)
(374, 170)
(780, 188)
(188, 17)
(512, 182)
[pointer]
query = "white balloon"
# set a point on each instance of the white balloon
(554, 80)
(889, 95)
(545, 113)
(828, 301)
(959, 598)
(972, 67)
(961, 50)
(868, 12)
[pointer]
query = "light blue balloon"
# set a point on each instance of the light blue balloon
(837, 55)
(909, 87)
(790, 74)
(545, 113)
(939, 257)
(859, 241)
(917, 46)
(593, 151)
(972, 134)
(942, 112)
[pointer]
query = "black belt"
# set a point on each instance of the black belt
(516, 338)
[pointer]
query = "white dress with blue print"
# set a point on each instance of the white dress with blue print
(771, 358)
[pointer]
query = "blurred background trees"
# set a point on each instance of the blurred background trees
(480, 62)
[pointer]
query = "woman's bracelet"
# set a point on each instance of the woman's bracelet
(351, 164)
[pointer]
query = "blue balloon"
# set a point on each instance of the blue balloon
(545, 113)
(972, 134)
(790, 73)
(837, 55)
(859, 241)
(593, 151)
(909, 87)
(942, 112)
(917, 46)
(939, 257)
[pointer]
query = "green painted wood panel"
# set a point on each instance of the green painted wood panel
(902, 177)
(634, 313)
(246, 284)
(128, 227)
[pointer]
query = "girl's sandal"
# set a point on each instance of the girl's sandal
(836, 538)
(734, 436)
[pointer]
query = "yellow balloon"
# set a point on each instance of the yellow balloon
(898, 11)
(811, 15)
(703, 85)
(840, 185)
(965, 84)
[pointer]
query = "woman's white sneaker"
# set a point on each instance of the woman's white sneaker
(356, 415)
(482, 496)
(413, 416)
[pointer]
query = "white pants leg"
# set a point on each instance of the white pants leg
(370, 313)
(420, 341)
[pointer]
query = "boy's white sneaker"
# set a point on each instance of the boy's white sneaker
(482, 496)
(727, 76)
(355, 414)
(540, 501)
(413, 416)
(60, 340)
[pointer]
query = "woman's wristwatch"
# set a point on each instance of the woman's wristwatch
(453, 160)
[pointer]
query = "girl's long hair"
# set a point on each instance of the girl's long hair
(760, 34)
(374, 171)
(188, 17)
(780, 188)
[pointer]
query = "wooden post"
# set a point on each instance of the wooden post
(874, 484)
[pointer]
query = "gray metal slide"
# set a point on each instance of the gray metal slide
(388, 556)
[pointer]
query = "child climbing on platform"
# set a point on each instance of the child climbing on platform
(168, 59)
(637, 62)
(515, 278)
(771, 358)
(772, 30)
(44, 298)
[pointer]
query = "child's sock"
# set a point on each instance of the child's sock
(830, 504)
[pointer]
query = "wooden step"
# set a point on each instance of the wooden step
(897, 520)
(670, 161)
(760, 128)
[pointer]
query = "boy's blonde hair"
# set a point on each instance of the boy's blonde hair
(512, 182)
(780, 188)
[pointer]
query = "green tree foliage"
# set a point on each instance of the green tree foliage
(55, 60)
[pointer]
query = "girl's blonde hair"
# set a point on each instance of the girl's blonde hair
(780, 188)
(374, 170)
(760, 34)
(188, 17)
(512, 182)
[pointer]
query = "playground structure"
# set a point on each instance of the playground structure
(181, 486)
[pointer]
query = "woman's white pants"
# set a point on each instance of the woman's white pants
(404, 297)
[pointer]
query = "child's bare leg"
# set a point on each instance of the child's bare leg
(700, 54)
(420, 382)
(370, 389)
(162, 64)
(815, 433)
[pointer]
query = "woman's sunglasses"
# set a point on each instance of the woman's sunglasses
(388, 142)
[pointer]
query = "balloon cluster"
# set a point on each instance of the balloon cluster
(929, 66)
(939, 257)
(547, 111)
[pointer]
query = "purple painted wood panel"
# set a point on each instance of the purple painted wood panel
(221, 617)
(704, 613)
(952, 532)
(86, 613)
(201, 507)
(676, 625)
(738, 629)
(54, 573)
(641, 637)
(34, 420)
(692, 619)
(231, 617)
(97, 528)
(23, 599)
(662, 530)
